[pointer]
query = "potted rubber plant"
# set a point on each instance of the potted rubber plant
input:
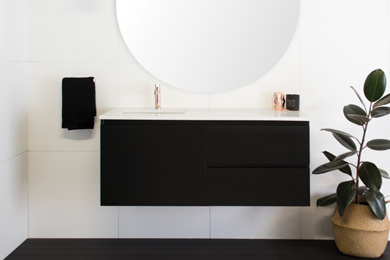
(360, 222)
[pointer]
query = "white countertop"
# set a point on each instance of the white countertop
(235, 114)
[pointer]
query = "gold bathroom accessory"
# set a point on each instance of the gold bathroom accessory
(157, 96)
(278, 101)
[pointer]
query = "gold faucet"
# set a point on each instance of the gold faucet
(157, 96)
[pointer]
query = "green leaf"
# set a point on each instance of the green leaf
(384, 173)
(359, 118)
(329, 155)
(383, 101)
(345, 193)
(327, 200)
(345, 169)
(377, 203)
(379, 144)
(344, 155)
(375, 85)
(353, 110)
(337, 132)
(361, 100)
(330, 166)
(370, 175)
(345, 141)
(380, 111)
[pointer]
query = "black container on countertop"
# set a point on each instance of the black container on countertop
(292, 102)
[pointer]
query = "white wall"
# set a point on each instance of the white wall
(336, 45)
(13, 130)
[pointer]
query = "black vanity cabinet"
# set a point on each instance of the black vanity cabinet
(204, 163)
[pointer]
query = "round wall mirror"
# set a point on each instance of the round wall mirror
(207, 45)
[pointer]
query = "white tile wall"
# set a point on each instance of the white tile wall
(255, 222)
(72, 31)
(136, 88)
(14, 203)
(124, 55)
(13, 126)
(344, 32)
(291, 56)
(259, 94)
(164, 222)
(336, 45)
(13, 108)
(64, 197)
(13, 30)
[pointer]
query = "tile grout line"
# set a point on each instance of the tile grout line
(75, 61)
(28, 196)
(299, 51)
(28, 86)
(209, 100)
(14, 156)
(118, 77)
(62, 151)
(300, 223)
(118, 100)
(209, 222)
(299, 83)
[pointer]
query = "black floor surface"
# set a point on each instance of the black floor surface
(175, 249)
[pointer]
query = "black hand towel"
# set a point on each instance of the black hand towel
(78, 103)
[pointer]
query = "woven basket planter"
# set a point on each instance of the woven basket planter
(359, 232)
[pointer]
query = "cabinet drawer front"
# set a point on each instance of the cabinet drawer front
(152, 165)
(253, 146)
(258, 187)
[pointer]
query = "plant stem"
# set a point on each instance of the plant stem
(360, 154)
